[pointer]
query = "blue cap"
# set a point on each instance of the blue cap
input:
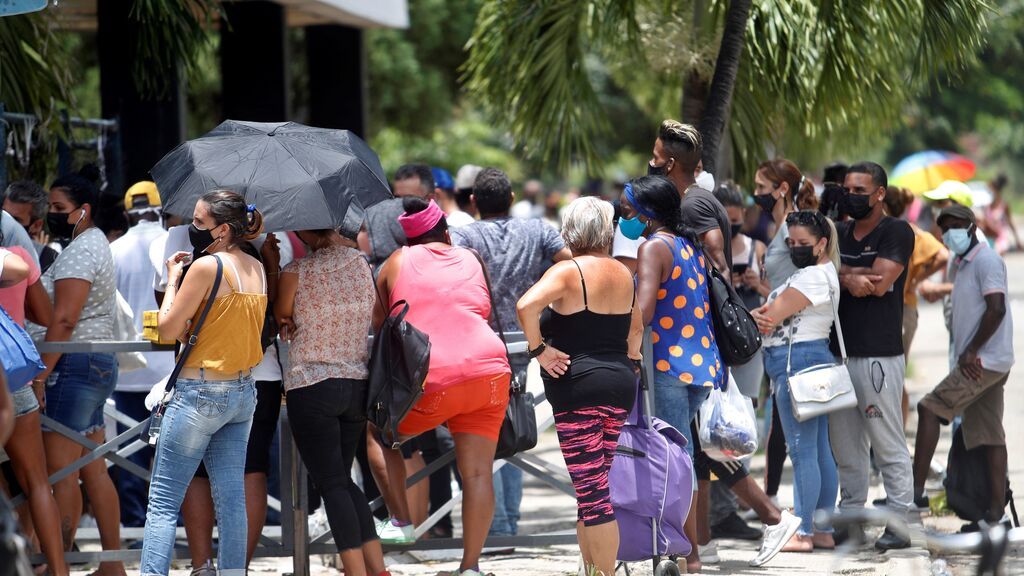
(442, 179)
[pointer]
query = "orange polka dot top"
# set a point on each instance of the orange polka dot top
(683, 335)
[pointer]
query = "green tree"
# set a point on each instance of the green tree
(807, 70)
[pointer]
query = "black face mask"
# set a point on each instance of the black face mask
(200, 239)
(766, 202)
(736, 229)
(58, 225)
(653, 170)
(802, 256)
(858, 206)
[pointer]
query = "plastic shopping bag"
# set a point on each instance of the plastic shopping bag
(728, 425)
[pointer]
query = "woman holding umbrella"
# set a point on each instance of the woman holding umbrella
(209, 417)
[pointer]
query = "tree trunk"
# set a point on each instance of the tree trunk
(716, 112)
(695, 98)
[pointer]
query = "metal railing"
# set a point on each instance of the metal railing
(291, 538)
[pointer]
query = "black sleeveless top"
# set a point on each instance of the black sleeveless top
(600, 372)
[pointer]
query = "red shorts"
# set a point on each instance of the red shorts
(475, 406)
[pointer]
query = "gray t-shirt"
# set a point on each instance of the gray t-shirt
(778, 266)
(88, 258)
(14, 235)
(979, 273)
(386, 234)
(517, 252)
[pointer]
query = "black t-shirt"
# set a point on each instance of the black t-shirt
(703, 212)
(873, 325)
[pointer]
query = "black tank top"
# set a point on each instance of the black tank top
(600, 372)
(586, 333)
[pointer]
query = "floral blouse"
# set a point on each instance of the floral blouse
(332, 315)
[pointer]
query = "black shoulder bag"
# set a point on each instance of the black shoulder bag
(519, 430)
(399, 362)
(151, 431)
(736, 332)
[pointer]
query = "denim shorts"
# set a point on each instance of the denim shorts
(25, 401)
(78, 388)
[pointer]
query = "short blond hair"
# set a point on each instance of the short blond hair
(587, 224)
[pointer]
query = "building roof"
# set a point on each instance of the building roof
(81, 14)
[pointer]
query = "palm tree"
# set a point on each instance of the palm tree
(35, 64)
(794, 73)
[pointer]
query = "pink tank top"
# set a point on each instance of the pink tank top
(448, 299)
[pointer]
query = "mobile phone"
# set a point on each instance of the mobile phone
(739, 269)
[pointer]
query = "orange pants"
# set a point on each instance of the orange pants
(475, 406)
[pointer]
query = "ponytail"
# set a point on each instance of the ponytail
(254, 222)
(805, 196)
(832, 246)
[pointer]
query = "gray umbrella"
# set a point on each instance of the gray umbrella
(300, 177)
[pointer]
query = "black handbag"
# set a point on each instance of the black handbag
(151, 431)
(399, 361)
(519, 430)
(736, 333)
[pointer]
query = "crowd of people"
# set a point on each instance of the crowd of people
(824, 275)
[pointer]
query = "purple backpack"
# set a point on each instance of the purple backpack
(651, 483)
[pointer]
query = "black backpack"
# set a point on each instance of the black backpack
(398, 368)
(967, 481)
(736, 333)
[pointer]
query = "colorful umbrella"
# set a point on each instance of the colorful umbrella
(924, 171)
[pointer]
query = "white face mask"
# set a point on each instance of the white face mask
(705, 180)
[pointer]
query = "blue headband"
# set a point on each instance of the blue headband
(628, 189)
(250, 208)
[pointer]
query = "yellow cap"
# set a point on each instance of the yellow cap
(144, 188)
(952, 190)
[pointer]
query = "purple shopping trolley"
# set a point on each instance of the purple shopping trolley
(651, 484)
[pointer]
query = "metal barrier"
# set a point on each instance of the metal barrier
(291, 538)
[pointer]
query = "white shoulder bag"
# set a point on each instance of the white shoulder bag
(823, 388)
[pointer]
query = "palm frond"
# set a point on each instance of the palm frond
(34, 66)
(527, 64)
(168, 34)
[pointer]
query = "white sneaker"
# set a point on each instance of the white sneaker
(391, 534)
(775, 537)
(709, 553)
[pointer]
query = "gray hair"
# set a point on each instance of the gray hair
(28, 192)
(587, 224)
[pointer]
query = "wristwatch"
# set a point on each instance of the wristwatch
(538, 350)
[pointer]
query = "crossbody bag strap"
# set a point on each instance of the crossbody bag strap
(839, 325)
(194, 336)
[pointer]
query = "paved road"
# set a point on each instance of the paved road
(546, 510)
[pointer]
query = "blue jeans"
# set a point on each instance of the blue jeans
(678, 404)
(508, 482)
(206, 421)
(508, 495)
(815, 479)
(78, 388)
(132, 490)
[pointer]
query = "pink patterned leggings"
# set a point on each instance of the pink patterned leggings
(588, 438)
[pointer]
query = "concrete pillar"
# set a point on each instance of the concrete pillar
(254, 61)
(336, 60)
(150, 125)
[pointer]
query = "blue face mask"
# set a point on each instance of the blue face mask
(958, 240)
(632, 228)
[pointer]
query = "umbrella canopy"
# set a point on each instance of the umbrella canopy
(300, 177)
(924, 171)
